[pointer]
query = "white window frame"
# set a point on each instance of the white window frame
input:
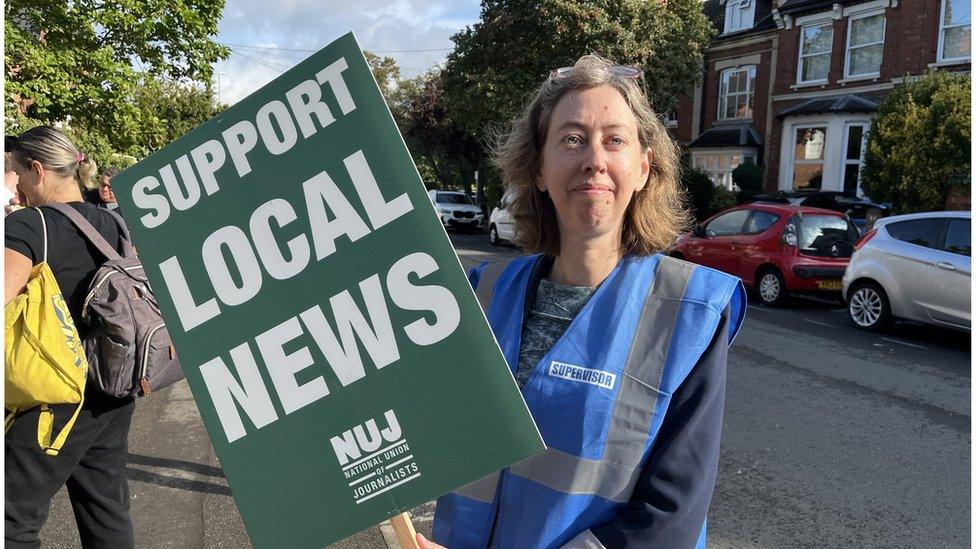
(829, 53)
(793, 160)
(750, 71)
(942, 28)
(844, 161)
(847, 51)
(746, 14)
(670, 118)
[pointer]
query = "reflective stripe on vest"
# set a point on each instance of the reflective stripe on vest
(486, 286)
(648, 352)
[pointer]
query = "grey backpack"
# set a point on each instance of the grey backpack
(129, 350)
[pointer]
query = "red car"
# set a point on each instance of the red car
(775, 249)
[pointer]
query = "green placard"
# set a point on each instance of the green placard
(337, 354)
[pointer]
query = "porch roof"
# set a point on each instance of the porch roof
(831, 105)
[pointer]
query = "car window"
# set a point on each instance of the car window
(827, 235)
(727, 224)
(760, 221)
(958, 238)
(923, 232)
(818, 202)
(453, 198)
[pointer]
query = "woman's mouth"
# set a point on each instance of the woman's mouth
(591, 189)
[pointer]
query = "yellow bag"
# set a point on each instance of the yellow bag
(45, 359)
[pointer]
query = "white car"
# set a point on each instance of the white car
(916, 267)
(456, 209)
(501, 226)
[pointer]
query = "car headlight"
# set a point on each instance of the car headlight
(443, 211)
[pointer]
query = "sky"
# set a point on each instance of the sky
(268, 38)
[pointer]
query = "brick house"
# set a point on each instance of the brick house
(793, 84)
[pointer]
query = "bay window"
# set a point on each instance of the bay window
(808, 157)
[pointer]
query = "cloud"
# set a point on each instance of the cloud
(264, 34)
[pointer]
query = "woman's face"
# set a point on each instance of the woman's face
(28, 180)
(592, 162)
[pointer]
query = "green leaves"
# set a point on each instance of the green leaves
(503, 57)
(90, 64)
(919, 143)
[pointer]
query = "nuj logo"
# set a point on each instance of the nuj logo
(366, 438)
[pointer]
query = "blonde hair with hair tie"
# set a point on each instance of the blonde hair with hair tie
(57, 154)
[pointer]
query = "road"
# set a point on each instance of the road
(833, 437)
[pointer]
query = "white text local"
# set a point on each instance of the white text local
(335, 340)
(276, 126)
(330, 215)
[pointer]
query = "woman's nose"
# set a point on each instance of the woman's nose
(594, 159)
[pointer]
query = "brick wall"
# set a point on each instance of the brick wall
(683, 132)
(959, 200)
(911, 42)
(710, 87)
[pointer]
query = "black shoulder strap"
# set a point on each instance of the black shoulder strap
(91, 233)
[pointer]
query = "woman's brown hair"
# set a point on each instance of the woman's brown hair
(655, 217)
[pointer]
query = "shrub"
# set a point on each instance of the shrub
(919, 143)
(748, 176)
(699, 189)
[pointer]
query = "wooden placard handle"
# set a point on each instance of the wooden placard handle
(403, 527)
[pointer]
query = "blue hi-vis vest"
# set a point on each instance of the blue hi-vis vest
(598, 396)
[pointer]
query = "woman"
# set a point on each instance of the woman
(51, 169)
(619, 351)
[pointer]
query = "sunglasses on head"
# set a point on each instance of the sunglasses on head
(616, 70)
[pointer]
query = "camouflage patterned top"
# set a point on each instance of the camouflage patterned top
(555, 306)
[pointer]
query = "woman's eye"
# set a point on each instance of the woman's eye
(616, 140)
(573, 140)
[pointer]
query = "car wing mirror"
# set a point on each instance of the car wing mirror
(698, 231)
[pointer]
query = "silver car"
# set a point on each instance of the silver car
(914, 267)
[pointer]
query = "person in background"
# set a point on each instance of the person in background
(620, 351)
(105, 193)
(92, 461)
(9, 197)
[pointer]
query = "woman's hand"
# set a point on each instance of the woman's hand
(424, 543)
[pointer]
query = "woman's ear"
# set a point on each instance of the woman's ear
(646, 163)
(539, 183)
(37, 168)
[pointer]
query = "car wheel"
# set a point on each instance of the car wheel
(493, 236)
(869, 308)
(771, 288)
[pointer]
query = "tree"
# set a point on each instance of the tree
(75, 62)
(919, 143)
(436, 140)
(386, 72)
(499, 60)
(167, 110)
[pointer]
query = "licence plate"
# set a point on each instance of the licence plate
(829, 284)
